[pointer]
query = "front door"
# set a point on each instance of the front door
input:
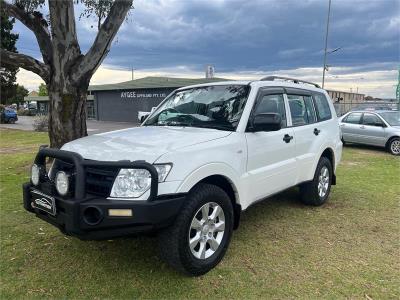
(271, 165)
(372, 130)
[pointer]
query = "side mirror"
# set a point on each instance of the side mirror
(266, 122)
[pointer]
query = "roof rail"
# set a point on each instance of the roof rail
(273, 78)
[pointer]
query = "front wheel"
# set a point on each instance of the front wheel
(200, 235)
(394, 146)
(316, 192)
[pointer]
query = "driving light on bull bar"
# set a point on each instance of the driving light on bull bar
(35, 174)
(62, 183)
(131, 183)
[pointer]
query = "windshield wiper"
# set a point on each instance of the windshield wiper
(214, 126)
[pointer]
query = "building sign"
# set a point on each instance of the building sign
(137, 95)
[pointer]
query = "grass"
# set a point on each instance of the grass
(348, 248)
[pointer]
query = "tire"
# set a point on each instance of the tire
(394, 146)
(11, 121)
(316, 192)
(174, 241)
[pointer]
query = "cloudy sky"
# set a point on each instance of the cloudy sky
(247, 40)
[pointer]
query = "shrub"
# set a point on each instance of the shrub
(41, 123)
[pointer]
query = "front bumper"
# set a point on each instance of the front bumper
(72, 216)
(87, 216)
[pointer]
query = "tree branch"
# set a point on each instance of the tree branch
(26, 62)
(35, 24)
(101, 46)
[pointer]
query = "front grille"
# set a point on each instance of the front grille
(99, 180)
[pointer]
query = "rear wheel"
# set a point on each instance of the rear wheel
(200, 235)
(394, 146)
(316, 192)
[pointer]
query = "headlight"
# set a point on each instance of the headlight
(163, 171)
(35, 174)
(131, 183)
(62, 183)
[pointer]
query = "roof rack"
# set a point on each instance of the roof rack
(273, 78)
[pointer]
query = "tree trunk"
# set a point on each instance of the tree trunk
(67, 114)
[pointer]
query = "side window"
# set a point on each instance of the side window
(312, 117)
(371, 120)
(272, 104)
(353, 118)
(301, 110)
(322, 107)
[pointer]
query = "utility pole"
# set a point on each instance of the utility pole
(133, 76)
(326, 43)
(398, 92)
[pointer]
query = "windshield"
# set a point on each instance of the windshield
(218, 107)
(392, 117)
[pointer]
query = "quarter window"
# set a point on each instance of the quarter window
(301, 110)
(353, 118)
(322, 107)
(272, 104)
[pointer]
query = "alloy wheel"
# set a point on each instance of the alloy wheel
(323, 182)
(395, 147)
(206, 230)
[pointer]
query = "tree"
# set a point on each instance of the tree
(43, 90)
(20, 94)
(65, 70)
(7, 72)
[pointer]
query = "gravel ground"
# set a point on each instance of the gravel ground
(25, 123)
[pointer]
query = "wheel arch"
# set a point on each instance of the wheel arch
(229, 188)
(329, 154)
(390, 139)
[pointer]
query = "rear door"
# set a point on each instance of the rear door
(271, 161)
(306, 130)
(350, 127)
(372, 130)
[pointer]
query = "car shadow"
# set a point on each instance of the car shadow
(140, 253)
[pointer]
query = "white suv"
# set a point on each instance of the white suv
(203, 156)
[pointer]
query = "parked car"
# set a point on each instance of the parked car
(9, 115)
(376, 128)
(207, 153)
(142, 115)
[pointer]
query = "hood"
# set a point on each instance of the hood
(141, 143)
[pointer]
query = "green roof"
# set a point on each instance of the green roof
(153, 82)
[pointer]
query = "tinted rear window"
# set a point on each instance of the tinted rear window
(322, 107)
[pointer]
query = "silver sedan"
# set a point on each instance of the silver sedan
(376, 128)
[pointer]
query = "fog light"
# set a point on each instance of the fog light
(120, 212)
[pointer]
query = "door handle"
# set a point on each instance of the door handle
(362, 127)
(316, 131)
(287, 138)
